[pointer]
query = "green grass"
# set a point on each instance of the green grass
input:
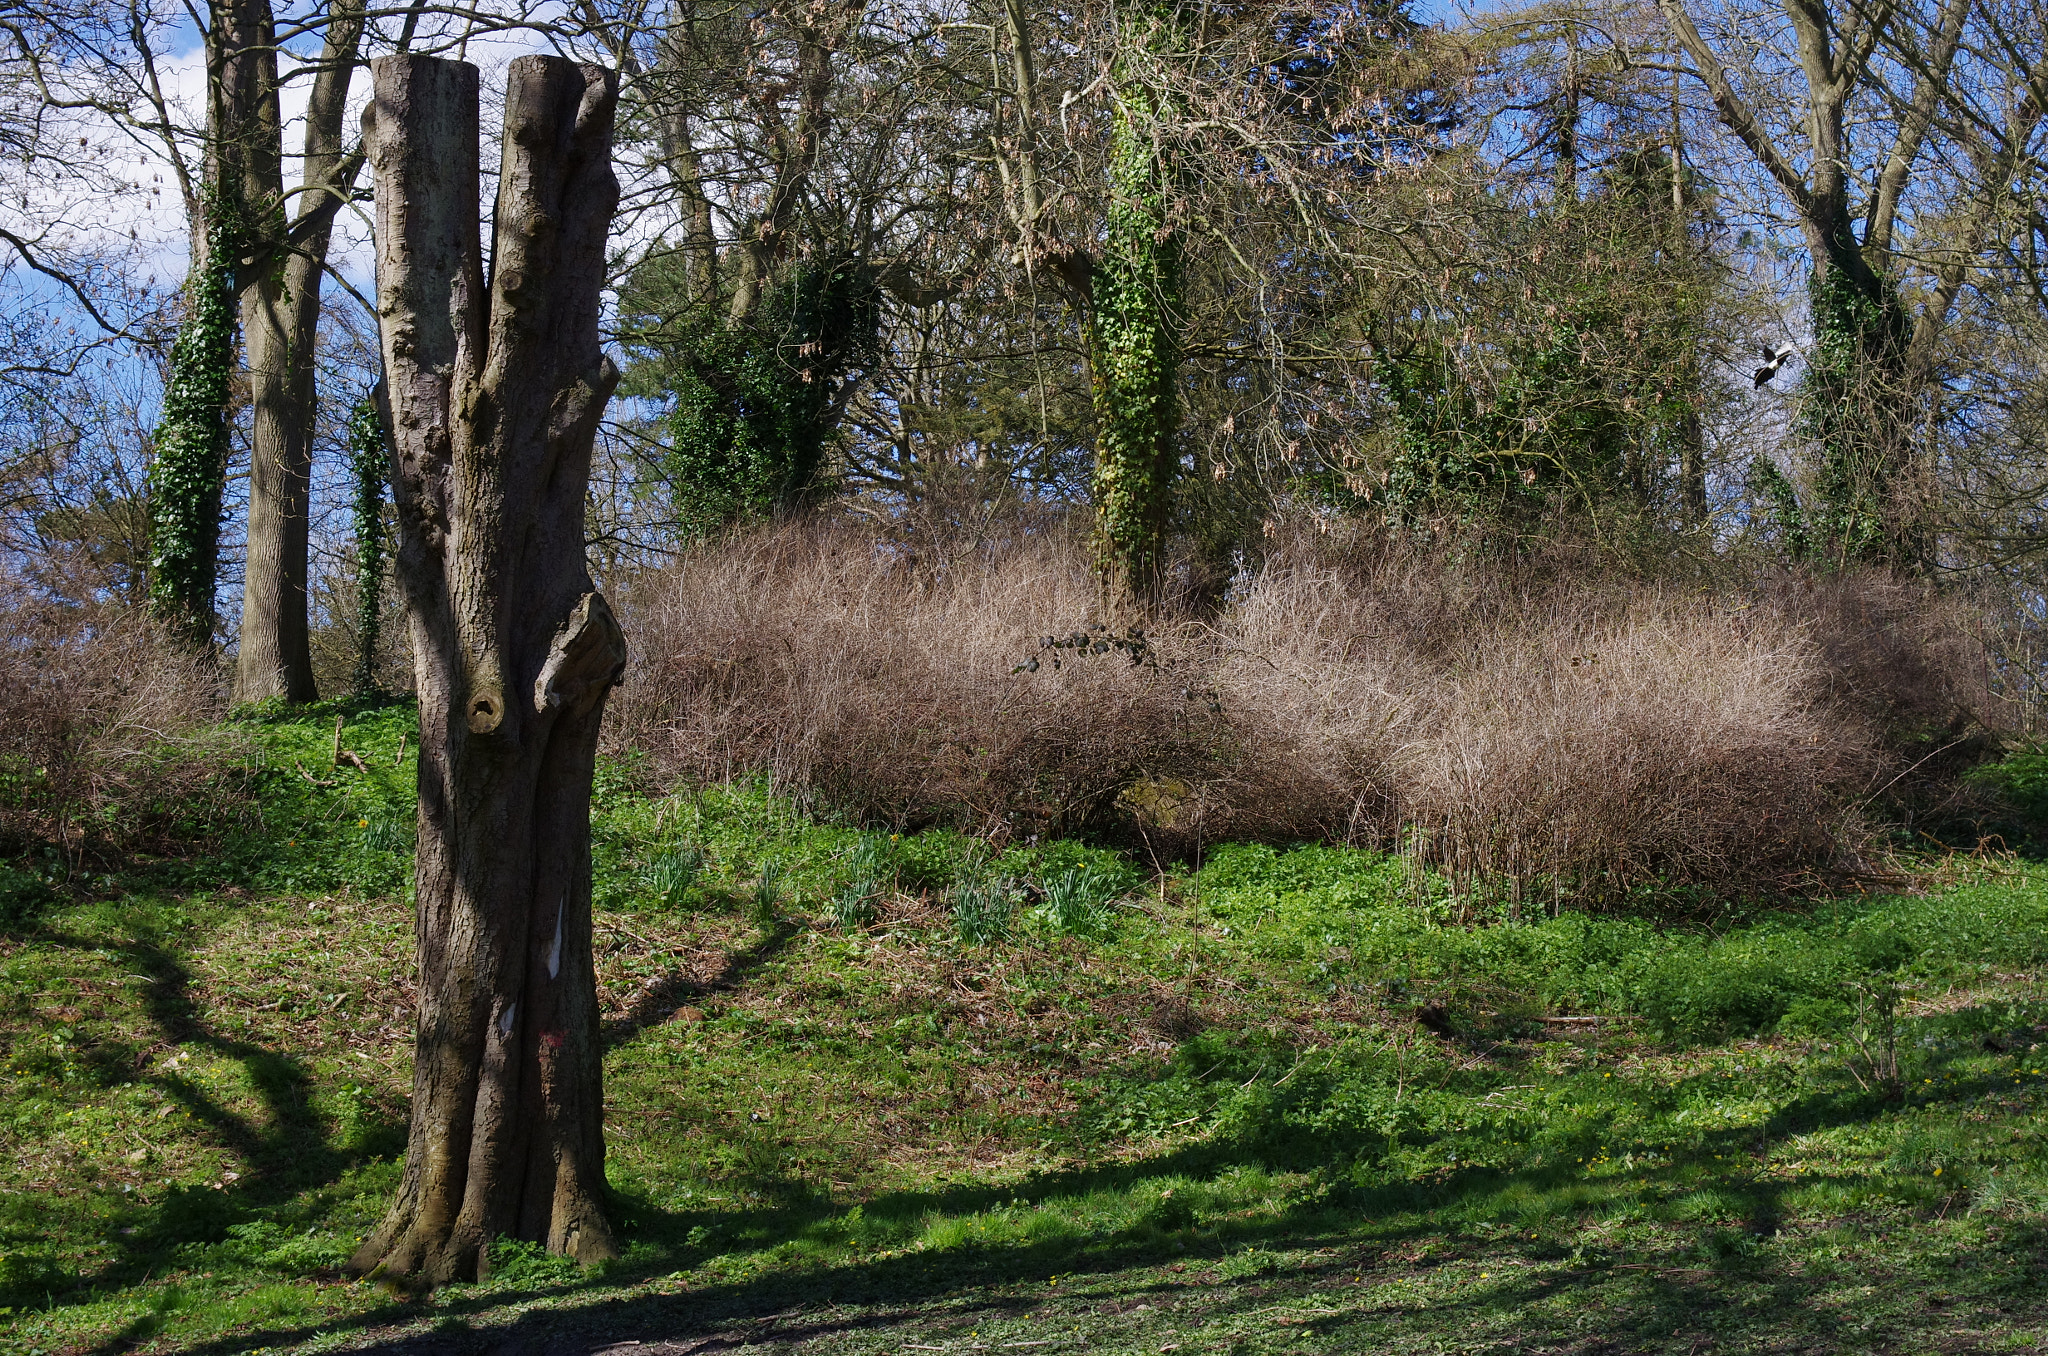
(1294, 1102)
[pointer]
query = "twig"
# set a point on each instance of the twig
(614, 927)
(309, 776)
(1943, 749)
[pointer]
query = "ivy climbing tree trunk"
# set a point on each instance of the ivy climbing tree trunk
(1860, 389)
(190, 452)
(1134, 347)
(189, 460)
(369, 457)
(494, 391)
(1856, 409)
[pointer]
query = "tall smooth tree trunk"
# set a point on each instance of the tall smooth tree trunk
(280, 331)
(278, 322)
(494, 392)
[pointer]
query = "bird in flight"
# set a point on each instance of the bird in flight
(1774, 358)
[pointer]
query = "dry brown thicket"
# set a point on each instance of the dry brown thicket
(1520, 721)
(877, 676)
(107, 734)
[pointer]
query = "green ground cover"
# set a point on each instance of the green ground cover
(883, 1093)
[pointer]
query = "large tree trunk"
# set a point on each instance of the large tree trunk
(494, 397)
(280, 327)
(1860, 391)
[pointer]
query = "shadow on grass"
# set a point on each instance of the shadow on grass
(284, 1147)
(930, 1297)
(658, 1001)
(1722, 1275)
(1711, 1278)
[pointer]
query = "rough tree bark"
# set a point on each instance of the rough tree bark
(494, 393)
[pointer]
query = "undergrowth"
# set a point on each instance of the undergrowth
(1295, 1100)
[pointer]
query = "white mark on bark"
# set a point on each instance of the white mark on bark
(505, 1021)
(555, 950)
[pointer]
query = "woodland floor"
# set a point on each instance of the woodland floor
(1295, 1102)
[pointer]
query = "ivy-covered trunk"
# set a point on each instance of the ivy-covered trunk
(368, 456)
(190, 449)
(1134, 354)
(1857, 411)
(1861, 388)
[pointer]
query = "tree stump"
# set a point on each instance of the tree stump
(493, 393)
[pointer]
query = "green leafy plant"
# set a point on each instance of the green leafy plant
(935, 859)
(873, 862)
(190, 448)
(273, 1247)
(764, 905)
(1698, 996)
(752, 403)
(389, 833)
(1076, 902)
(1881, 985)
(853, 907)
(2021, 777)
(872, 859)
(24, 894)
(982, 910)
(670, 874)
(1779, 502)
(529, 1265)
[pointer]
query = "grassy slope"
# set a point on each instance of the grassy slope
(1218, 1127)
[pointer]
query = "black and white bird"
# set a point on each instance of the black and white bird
(1774, 358)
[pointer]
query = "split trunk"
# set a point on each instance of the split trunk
(494, 392)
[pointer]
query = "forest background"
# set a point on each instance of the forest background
(1189, 570)
(1307, 352)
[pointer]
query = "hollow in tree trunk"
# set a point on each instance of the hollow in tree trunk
(494, 392)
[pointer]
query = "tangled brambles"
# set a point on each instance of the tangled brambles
(1532, 724)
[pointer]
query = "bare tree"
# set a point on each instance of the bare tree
(100, 68)
(495, 391)
(794, 175)
(1859, 390)
(284, 265)
(1203, 187)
